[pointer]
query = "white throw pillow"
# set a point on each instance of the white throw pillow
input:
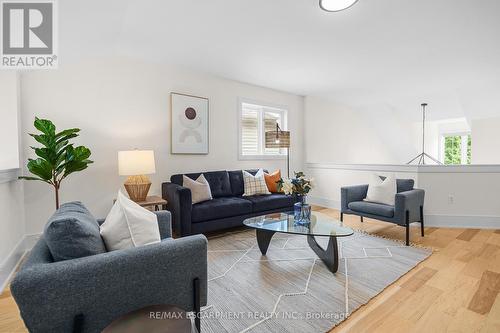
(129, 225)
(200, 189)
(254, 185)
(382, 191)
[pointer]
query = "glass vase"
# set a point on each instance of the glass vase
(302, 211)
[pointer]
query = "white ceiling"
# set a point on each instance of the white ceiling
(389, 53)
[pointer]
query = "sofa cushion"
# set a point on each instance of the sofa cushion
(236, 179)
(403, 185)
(72, 232)
(200, 188)
(129, 225)
(255, 185)
(372, 208)
(262, 203)
(220, 186)
(220, 208)
(272, 181)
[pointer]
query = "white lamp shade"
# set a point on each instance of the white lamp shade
(136, 162)
(336, 5)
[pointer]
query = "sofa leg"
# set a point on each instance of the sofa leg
(362, 219)
(407, 228)
(78, 323)
(422, 220)
(196, 302)
(341, 217)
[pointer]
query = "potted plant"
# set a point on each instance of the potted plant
(299, 187)
(57, 157)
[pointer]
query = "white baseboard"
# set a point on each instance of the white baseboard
(9, 266)
(323, 202)
(463, 221)
(433, 220)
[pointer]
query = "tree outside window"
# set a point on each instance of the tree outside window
(457, 149)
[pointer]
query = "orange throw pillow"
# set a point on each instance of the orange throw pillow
(271, 180)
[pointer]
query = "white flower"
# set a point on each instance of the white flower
(287, 186)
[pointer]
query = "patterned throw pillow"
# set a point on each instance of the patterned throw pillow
(254, 185)
(271, 181)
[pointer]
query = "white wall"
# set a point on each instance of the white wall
(455, 196)
(338, 134)
(9, 148)
(486, 141)
(12, 223)
(122, 104)
(344, 144)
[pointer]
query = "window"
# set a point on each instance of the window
(255, 120)
(456, 149)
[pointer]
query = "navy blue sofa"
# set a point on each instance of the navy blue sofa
(408, 208)
(227, 209)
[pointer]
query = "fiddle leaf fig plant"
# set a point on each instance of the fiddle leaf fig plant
(57, 158)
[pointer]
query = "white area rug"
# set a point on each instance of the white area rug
(290, 289)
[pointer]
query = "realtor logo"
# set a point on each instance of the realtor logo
(28, 34)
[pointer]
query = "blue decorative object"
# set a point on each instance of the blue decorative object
(302, 212)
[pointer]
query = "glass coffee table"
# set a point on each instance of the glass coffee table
(321, 225)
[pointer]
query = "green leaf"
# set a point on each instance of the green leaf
(45, 126)
(74, 166)
(66, 138)
(67, 132)
(59, 146)
(47, 154)
(45, 140)
(40, 168)
(81, 153)
(34, 178)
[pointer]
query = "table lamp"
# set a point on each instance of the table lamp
(136, 164)
(280, 139)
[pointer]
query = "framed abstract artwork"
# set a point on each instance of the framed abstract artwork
(190, 124)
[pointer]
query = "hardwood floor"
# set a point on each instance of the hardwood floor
(455, 290)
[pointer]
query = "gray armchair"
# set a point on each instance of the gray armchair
(408, 208)
(88, 293)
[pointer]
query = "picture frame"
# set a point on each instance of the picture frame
(190, 124)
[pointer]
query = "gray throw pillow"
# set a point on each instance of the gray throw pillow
(72, 232)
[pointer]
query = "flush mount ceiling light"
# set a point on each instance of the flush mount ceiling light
(336, 5)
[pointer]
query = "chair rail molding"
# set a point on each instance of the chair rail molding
(9, 175)
(472, 168)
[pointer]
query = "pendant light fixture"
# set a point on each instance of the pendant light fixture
(336, 5)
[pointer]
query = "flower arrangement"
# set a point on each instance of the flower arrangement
(299, 186)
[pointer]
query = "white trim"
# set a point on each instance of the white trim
(261, 157)
(364, 167)
(463, 221)
(323, 202)
(9, 175)
(10, 264)
(471, 168)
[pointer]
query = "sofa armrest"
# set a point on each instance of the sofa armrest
(164, 223)
(179, 204)
(350, 194)
(410, 201)
(106, 286)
